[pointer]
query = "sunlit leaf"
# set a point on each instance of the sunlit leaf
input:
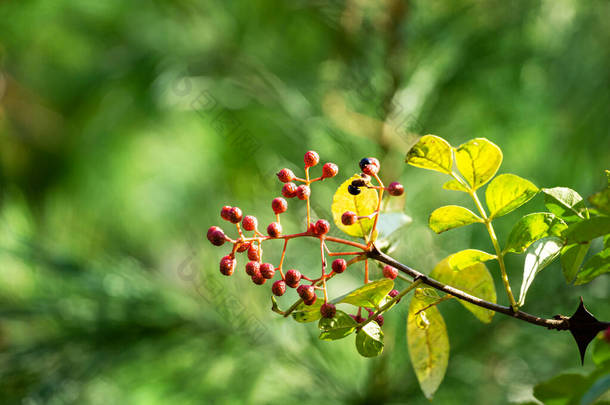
(369, 340)
(369, 295)
(362, 204)
(507, 192)
(564, 202)
(307, 313)
(433, 153)
(428, 344)
(587, 230)
(539, 255)
(532, 227)
(478, 160)
(451, 216)
(338, 327)
(571, 259)
(455, 186)
(596, 266)
(468, 257)
(475, 280)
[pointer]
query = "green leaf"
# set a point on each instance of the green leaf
(475, 280)
(571, 259)
(601, 201)
(532, 227)
(564, 202)
(338, 327)
(467, 258)
(362, 204)
(599, 387)
(455, 186)
(507, 192)
(451, 216)
(478, 161)
(369, 295)
(428, 344)
(587, 230)
(563, 386)
(539, 255)
(307, 313)
(431, 152)
(369, 340)
(601, 351)
(594, 267)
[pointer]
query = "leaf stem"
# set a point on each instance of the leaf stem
(499, 253)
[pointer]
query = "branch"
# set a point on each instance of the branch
(561, 323)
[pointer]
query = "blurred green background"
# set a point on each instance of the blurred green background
(125, 126)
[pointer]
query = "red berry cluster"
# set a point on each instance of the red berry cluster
(252, 244)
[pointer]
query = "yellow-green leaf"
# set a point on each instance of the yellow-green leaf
(307, 313)
(468, 257)
(475, 280)
(369, 295)
(362, 204)
(428, 344)
(532, 227)
(507, 192)
(451, 216)
(478, 161)
(369, 340)
(455, 186)
(431, 152)
(337, 327)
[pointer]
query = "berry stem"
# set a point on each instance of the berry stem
(299, 301)
(366, 271)
(307, 199)
(323, 269)
(282, 259)
(378, 207)
(241, 234)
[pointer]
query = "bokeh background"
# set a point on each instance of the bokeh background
(125, 126)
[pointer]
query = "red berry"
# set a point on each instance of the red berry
(254, 253)
(278, 288)
(249, 223)
(329, 170)
(227, 265)
(243, 247)
(311, 158)
(289, 190)
(379, 320)
(328, 310)
(216, 236)
(393, 294)
(274, 229)
(235, 215)
(371, 170)
(307, 293)
(310, 301)
(303, 192)
(311, 228)
(279, 205)
(285, 175)
(225, 212)
(322, 227)
(292, 277)
(349, 218)
(267, 270)
(258, 279)
(390, 272)
(252, 268)
(396, 189)
(339, 265)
